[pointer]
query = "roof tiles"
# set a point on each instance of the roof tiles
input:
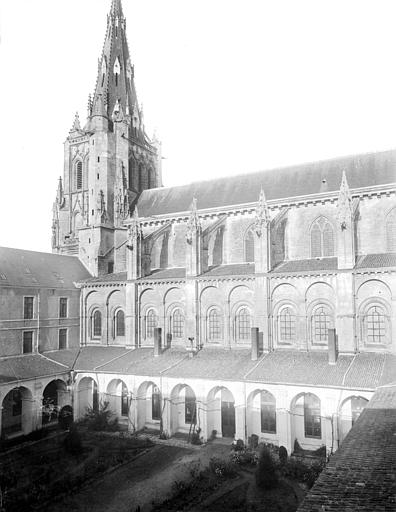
(27, 367)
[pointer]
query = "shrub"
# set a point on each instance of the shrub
(213, 435)
(266, 475)
(303, 472)
(101, 419)
(65, 418)
(283, 455)
(253, 441)
(238, 446)
(72, 442)
(222, 468)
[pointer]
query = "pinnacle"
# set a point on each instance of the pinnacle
(116, 7)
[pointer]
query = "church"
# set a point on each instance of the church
(260, 304)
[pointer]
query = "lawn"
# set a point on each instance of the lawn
(36, 473)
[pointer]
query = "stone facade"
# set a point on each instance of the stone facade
(261, 304)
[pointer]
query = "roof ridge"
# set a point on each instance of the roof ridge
(52, 361)
(279, 168)
(127, 351)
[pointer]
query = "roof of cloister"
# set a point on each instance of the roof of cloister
(25, 367)
(361, 474)
(366, 370)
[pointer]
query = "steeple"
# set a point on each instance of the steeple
(115, 88)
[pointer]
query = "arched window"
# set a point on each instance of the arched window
(242, 324)
(214, 325)
(124, 400)
(177, 323)
(312, 420)
(119, 323)
(151, 323)
(391, 231)
(156, 404)
(97, 324)
(375, 325)
(249, 247)
(286, 325)
(322, 238)
(321, 323)
(268, 412)
(78, 175)
(189, 406)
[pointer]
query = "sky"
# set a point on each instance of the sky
(230, 86)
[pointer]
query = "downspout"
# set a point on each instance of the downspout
(38, 322)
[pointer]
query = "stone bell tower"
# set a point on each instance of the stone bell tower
(107, 163)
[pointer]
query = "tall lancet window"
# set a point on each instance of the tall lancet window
(322, 238)
(78, 175)
(117, 70)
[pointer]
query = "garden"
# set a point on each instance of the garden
(259, 479)
(50, 464)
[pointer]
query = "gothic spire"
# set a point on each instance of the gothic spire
(115, 88)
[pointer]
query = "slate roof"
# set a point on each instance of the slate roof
(231, 270)
(142, 362)
(167, 273)
(361, 474)
(377, 260)
(365, 170)
(108, 278)
(91, 358)
(66, 357)
(315, 264)
(28, 367)
(362, 371)
(218, 364)
(39, 269)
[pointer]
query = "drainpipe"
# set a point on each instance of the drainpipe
(38, 321)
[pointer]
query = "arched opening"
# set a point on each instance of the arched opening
(322, 238)
(55, 396)
(184, 414)
(307, 421)
(118, 398)
(214, 325)
(177, 324)
(17, 413)
(286, 325)
(87, 396)
(321, 322)
(243, 325)
(119, 323)
(375, 325)
(150, 322)
(261, 417)
(349, 412)
(149, 406)
(221, 412)
(96, 324)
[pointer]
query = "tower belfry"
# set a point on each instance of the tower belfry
(108, 162)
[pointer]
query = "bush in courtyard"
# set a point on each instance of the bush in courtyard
(213, 435)
(253, 441)
(266, 475)
(101, 419)
(238, 445)
(195, 437)
(303, 472)
(72, 442)
(222, 468)
(282, 455)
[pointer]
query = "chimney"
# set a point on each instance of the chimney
(333, 346)
(157, 341)
(255, 343)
